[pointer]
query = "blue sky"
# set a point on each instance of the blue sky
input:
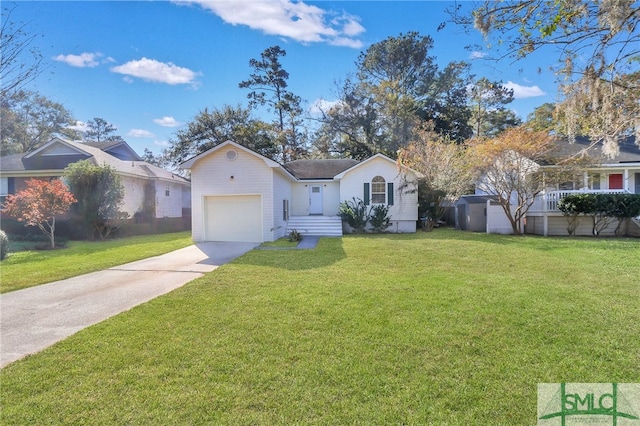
(149, 67)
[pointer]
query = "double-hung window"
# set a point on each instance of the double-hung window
(378, 190)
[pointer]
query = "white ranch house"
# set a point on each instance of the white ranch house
(240, 195)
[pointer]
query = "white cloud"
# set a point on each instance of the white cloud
(155, 71)
(83, 60)
(140, 133)
(167, 121)
(477, 55)
(79, 126)
(295, 20)
(522, 92)
(320, 105)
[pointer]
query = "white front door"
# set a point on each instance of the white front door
(315, 199)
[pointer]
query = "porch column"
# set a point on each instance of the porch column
(585, 181)
(625, 180)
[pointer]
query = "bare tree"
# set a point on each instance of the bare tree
(507, 167)
(20, 62)
(446, 172)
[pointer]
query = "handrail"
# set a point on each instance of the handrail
(551, 199)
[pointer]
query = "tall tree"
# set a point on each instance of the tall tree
(598, 48)
(351, 127)
(487, 102)
(101, 130)
(268, 84)
(29, 120)
(392, 72)
(39, 204)
(100, 196)
(211, 128)
(443, 102)
(543, 118)
(21, 61)
(396, 81)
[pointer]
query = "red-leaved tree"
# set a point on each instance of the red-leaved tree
(39, 204)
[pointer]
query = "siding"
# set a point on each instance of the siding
(330, 198)
(281, 191)
(133, 194)
(557, 226)
(405, 206)
(168, 205)
(211, 175)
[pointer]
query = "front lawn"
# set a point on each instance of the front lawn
(24, 269)
(433, 328)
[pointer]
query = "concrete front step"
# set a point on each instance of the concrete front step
(316, 225)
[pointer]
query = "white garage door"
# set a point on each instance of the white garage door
(233, 218)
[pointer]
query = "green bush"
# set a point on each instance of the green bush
(4, 245)
(295, 236)
(354, 212)
(602, 208)
(379, 218)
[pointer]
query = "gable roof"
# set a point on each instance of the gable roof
(118, 148)
(58, 153)
(629, 151)
(319, 169)
(191, 161)
(300, 169)
(370, 159)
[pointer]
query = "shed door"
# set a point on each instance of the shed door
(233, 218)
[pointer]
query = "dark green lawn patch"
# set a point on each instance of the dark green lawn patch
(433, 328)
(34, 267)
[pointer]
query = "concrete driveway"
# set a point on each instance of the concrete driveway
(37, 317)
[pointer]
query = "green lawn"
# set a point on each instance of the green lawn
(24, 269)
(433, 328)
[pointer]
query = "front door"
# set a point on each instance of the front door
(315, 199)
(637, 191)
(615, 181)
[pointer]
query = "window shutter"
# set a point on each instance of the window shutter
(366, 193)
(390, 193)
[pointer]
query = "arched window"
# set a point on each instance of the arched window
(378, 190)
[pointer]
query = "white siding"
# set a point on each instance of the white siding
(281, 191)
(133, 194)
(404, 212)
(211, 175)
(330, 198)
(168, 205)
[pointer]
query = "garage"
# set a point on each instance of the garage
(233, 218)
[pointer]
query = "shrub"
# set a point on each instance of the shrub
(4, 245)
(379, 217)
(295, 236)
(602, 208)
(354, 212)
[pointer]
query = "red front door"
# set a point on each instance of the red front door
(615, 181)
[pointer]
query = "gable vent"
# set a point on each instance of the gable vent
(232, 154)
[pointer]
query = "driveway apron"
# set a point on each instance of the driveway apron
(35, 318)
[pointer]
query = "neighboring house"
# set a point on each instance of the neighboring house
(239, 195)
(620, 174)
(172, 193)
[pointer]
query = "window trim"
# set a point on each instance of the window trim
(378, 182)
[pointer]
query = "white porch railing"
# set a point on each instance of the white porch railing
(548, 202)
